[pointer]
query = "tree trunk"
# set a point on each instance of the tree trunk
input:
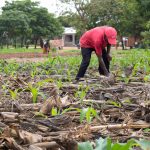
(41, 43)
(135, 38)
(7, 43)
(35, 41)
(22, 41)
(15, 42)
(1, 43)
(122, 45)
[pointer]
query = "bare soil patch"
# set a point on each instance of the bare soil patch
(34, 57)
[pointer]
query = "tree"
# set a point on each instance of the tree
(15, 23)
(42, 23)
(65, 20)
(92, 13)
(144, 11)
(146, 35)
(78, 18)
(127, 16)
(144, 6)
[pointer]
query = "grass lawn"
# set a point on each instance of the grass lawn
(38, 50)
(19, 50)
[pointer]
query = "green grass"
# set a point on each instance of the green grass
(71, 51)
(24, 50)
(19, 50)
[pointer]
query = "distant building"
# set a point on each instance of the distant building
(66, 40)
(69, 36)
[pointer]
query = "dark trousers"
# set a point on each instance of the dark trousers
(86, 56)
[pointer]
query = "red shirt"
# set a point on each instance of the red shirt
(94, 38)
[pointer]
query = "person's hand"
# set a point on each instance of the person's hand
(111, 75)
(109, 57)
(109, 79)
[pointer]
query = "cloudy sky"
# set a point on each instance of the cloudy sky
(53, 6)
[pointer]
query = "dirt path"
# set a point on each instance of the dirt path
(21, 55)
(33, 57)
(39, 59)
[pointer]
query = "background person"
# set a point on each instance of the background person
(46, 47)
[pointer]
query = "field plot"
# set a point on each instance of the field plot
(42, 107)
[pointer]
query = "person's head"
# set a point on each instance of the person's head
(111, 35)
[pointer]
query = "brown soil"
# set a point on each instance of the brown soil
(33, 57)
(21, 55)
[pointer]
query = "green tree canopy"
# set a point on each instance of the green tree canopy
(40, 22)
(14, 25)
(128, 16)
(17, 26)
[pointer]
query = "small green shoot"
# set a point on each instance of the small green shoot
(81, 93)
(147, 78)
(34, 92)
(1, 131)
(59, 84)
(14, 94)
(88, 113)
(55, 111)
(39, 114)
(127, 101)
(71, 109)
(147, 130)
(111, 102)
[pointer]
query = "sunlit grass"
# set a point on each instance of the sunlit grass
(19, 50)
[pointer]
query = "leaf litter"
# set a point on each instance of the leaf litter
(54, 121)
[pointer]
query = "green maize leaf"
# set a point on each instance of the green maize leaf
(114, 103)
(39, 114)
(147, 78)
(14, 94)
(70, 109)
(88, 115)
(101, 144)
(85, 146)
(1, 130)
(109, 143)
(93, 111)
(54, 111)
(147, 130)
(123, 146)
(40, 83)
(42, 94)
(144, 144)
(34, 92)
(83, 114)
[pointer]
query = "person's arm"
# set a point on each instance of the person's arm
(108, 52)
(98, 50)
(102, 64)
(108, 48)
